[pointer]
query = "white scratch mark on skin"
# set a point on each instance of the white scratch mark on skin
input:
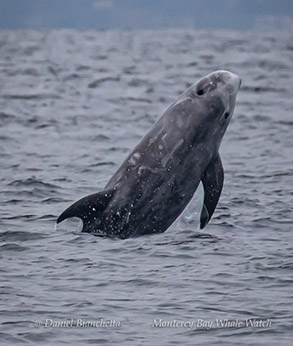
(134, 158)
(152, 140)
(167, 157)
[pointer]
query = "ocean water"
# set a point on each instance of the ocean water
(72, 105)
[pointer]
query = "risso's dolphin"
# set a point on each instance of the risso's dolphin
(158, 179)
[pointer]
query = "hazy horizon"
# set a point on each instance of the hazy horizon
(146, 14)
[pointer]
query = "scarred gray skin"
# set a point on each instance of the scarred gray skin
(159, 177)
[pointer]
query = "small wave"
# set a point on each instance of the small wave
(13, 247)
(260, 89)
(126, 99)
(83, 68)
(148, 117)
(53, 200)
(46, 217)
(72, 76)
(31, 72)
(31, 182)
(106, 163)
(31, 96)
(99, 137)
(54, 70)
(273, 65)
(260, 117)
(129, 69)
(98, 82)
(6, 118)
(21, 217)
(136, 82)
(137, 99)
(30, 217)
(13, 201)
(31, 188)
(118, 149)
(19, 236)
(194, 237)
(284, 122)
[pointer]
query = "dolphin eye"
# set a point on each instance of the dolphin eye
(226, 114)
(200, 92)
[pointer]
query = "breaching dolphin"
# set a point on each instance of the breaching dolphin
(159, 177)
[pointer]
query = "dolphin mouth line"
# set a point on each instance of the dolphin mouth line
(227, 113)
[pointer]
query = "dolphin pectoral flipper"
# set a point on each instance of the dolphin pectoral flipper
(88, 207)
(212, 181)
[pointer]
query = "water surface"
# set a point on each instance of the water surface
(72, 105)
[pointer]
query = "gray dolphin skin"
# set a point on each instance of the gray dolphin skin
(159, 177)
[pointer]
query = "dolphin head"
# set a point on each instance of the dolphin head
(212, 98)
(215, 96)
(209, 103)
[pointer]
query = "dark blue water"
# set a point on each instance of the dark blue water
(72, 105)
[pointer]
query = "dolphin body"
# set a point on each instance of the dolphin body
(160, 176)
